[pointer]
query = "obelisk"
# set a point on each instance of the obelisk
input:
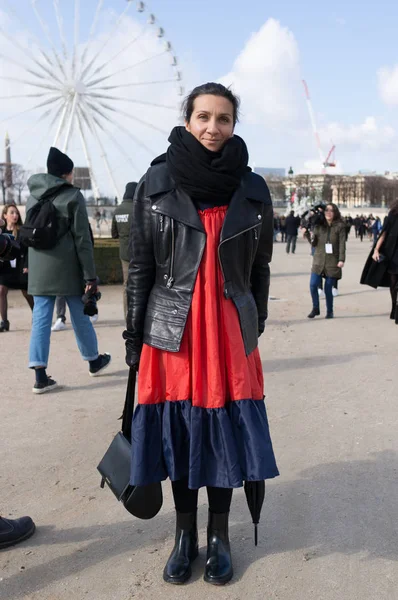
(8, 169)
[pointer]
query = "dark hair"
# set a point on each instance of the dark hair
(210, 89)
(337, 213)
(394, 208)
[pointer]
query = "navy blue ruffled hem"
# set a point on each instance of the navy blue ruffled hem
(217, 447)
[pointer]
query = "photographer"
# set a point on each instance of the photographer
(60, 269)
(13, 274)
(329, 241)
(12, 531)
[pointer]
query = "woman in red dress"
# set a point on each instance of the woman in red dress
(201, 244)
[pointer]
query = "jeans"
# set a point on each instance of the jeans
(86, 337)
(291, 241)
(315, 283)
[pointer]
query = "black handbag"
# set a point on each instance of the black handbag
(143, 502)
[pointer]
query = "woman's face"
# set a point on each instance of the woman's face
(212, 121)
(329, 213)
(12, 216)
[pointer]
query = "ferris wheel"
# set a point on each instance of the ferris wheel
(98, 79)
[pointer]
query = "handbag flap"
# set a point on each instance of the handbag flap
(115, 465)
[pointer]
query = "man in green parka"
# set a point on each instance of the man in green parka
(121, 224)
(67, 269)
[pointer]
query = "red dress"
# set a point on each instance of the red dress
(193, 398)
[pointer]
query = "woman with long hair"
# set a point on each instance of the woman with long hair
(329, 241)
(13, 275)
(201, 243)
(387, 247)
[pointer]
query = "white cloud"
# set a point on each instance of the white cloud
(266, 75)
(388, 84)
(275, 121)
(369, 134)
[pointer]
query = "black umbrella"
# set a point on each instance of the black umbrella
(255, 493)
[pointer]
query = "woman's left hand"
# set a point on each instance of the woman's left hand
(340, 264)
(25, 271)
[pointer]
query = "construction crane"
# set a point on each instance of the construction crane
(329, 161)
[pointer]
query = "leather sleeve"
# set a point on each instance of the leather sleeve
(260, 276)
(142, 266)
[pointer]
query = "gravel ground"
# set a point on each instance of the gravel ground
(329, 522)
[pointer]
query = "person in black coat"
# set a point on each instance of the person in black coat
(198, 285)
(12, 531)
(14, 274)
(381, 268)
(292, 225)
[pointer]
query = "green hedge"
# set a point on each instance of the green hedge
(107, 261)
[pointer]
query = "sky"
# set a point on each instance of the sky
(347, 54)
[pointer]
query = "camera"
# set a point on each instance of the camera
(9, 247)
(316, 216)
(90, 300)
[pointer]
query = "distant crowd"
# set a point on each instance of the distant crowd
(364, 226)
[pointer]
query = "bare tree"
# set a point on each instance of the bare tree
(19, 178)
(276, 187)
(3, 181)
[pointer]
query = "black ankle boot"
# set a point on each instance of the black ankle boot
(314, 313)
(178, 568)
(218, 569)
(4, 326)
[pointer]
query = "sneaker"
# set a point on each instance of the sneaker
(13, 531)
(59, 325)
(94, 319)
(314, 313)
(42, 388)
(329, 316)
(321, 293)
(335, 292)
(103, 364)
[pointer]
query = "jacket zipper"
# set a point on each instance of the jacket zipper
(161, 223)
(226, 291)
(170, 281)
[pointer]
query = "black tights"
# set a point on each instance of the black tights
(186, 500)
(4, 301)
(394, 289)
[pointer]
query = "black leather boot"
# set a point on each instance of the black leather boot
(178, 568)
(314, 313)
(218, 569)
(4, 326)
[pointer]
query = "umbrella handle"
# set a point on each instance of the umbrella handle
(255, 534)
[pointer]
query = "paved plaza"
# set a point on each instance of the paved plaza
(329, 525)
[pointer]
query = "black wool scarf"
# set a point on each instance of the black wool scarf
(204, 175)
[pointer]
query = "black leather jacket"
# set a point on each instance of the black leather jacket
(167, 241)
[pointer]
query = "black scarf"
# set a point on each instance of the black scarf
(206, 176)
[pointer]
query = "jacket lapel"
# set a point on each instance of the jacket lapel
(177, 205)
(242, 214)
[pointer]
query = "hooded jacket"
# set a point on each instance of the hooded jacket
(62, 270)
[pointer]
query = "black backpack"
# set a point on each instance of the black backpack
(40, 228)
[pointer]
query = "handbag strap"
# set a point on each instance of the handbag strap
(128, 409)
